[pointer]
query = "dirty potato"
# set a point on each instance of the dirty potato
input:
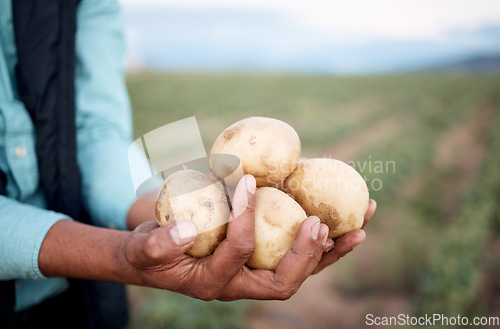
(277, 221)
(190, 195)
(267, 148)
(331, 190)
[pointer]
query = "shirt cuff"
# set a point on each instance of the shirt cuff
(23, 230)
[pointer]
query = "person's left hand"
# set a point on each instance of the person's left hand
(334, 250)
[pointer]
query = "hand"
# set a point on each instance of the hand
(157, 256)
(334, 250)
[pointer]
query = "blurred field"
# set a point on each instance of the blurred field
(429, 147)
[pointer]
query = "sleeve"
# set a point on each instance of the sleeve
(103, 115)
(21, 239)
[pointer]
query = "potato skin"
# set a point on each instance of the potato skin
(269, 149)
(277, 221)
(190, 195)
(331, 190)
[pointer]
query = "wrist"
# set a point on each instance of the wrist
(124, 270)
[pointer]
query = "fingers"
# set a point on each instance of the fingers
(348, 242)
(329, 244)
(149, 245)
(372, 206)
(291, 272)
(299, 262)
(343, 246)
(232, 254)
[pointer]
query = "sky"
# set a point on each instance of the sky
(314, 35)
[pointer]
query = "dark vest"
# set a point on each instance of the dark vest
(45, 40)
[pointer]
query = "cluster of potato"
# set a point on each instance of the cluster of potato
(289, 190)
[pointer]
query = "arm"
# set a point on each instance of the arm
(155, 256)
(103, 114)
(75, 250)
(140, 212)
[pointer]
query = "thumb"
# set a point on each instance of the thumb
(148, 246)
(243, 215)
(244, 195)
(239, 244)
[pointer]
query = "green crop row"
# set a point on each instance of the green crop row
(396, 159)
(451, 280)
(316, 106)
(393, 163)
(415, 220)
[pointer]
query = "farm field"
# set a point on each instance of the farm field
(428, 146)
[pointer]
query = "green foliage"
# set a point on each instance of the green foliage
(162, 309)
(450, 283)
(323, 109)
(417, 256)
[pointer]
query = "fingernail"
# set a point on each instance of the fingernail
(242, 201)
(330, 245)
(315, 231)
(250, 184)
(183, 232)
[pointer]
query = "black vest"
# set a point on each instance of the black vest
(45, 40)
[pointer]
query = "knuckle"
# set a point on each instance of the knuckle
(150, 247)
(244, 249)
(308, 253)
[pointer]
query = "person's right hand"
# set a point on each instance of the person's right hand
(157, 257)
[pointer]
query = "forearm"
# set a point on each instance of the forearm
(75, 250)
(141, 211)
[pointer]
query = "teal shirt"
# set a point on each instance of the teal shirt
(103, 121)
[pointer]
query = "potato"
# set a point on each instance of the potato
(268, 149)
(190, 195)
(331, 190)
(277, 221)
